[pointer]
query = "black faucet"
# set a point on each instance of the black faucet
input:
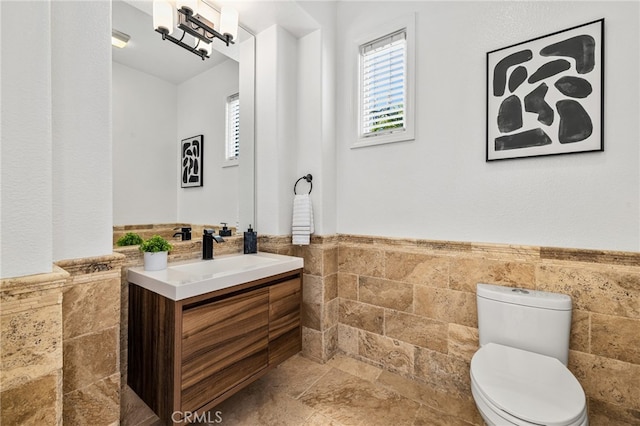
(185, 233)
(208, 237)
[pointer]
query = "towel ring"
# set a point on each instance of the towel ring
(308, 178)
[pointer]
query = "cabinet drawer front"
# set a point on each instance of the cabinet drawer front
(284, 307)
(285, 346)
(211, 387)
(208, 326)
(218, 335)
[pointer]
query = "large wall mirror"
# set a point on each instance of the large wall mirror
(163, 94)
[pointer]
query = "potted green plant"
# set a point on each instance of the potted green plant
(155, 251)
(129, 239)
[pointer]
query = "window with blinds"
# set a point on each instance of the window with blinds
(233, 127)
(383, 85)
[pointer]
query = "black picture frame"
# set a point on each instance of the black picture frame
(191, 150)
(545, 96)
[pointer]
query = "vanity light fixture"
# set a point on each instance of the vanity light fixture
(197, 19)
(119, 39)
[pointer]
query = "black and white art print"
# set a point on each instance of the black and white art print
(545, 96)
(191, 161)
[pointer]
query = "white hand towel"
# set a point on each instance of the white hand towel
(302, 223)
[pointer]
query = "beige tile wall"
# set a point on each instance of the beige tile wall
(60, 346)
(319, 291)
(409, 306)
(91, 329)
(165, 230)
(31, 349)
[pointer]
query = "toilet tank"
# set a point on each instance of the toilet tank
(535, 321)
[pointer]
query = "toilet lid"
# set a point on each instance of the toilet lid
(532, 387)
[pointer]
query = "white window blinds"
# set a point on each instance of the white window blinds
(383, 84)
(233, 127)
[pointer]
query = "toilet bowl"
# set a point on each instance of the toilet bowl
(517, 387)
(519, 375)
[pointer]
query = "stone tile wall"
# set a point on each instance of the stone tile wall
(91, 329)
(165, 230)
(409, 306)
(319, 291)
(31, 349)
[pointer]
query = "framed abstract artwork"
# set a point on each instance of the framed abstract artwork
(191, 161)
(545, 96)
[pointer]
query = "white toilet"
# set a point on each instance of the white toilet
(519, 374)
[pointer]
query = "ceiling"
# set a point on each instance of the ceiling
(258, 15)
(147, 52)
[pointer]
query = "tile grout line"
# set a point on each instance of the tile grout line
(312, 384)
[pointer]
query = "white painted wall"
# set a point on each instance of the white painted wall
(202, 111)
(144, 148)
(246, 164)
(81, 93)
(325, 202)
(329, 166)
(309, 122)
(56, 135)
(276, 129)
(26, 245)
(439, 186)
(316, 125)
(296, 122)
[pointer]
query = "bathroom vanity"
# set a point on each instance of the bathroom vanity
(188, 352)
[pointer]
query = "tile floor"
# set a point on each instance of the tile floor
(342, 392)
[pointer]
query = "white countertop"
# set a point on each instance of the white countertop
(193, 278)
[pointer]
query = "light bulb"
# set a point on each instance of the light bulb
(119, 39)
(210, 14)
(162, 15)
(229, 22)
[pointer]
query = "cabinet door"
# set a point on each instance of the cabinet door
(285, 338)
(223, 343)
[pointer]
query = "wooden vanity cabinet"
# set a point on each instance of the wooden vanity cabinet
(190, 355)
(285, 337)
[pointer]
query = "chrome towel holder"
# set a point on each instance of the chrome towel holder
(308, 178)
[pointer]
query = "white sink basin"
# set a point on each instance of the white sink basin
(183, 280)
(222, 265)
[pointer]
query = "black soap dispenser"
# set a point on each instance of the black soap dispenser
(224, 232)
(250, 241)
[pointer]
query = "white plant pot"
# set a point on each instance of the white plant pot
(155, 261)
